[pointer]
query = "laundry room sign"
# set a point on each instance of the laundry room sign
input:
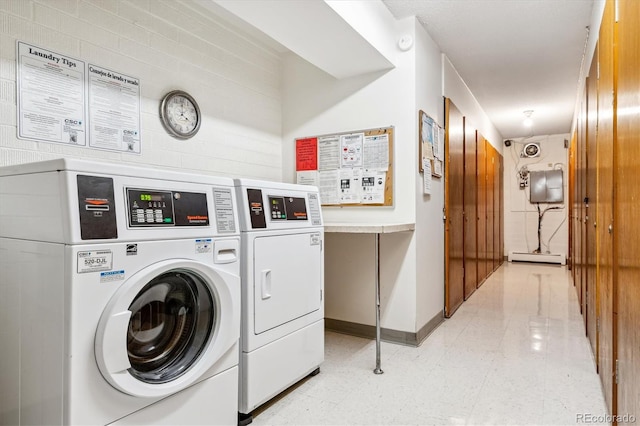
(68, 101)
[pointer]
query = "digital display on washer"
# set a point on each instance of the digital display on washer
(153, 208)
(276, 206)
(151, 197)
(288, 208)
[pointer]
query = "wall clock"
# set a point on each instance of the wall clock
(180, 114)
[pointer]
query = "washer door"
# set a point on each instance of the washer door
(166, 326)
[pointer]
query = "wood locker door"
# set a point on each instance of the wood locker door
(582, 145)
(571, 198)
(454, 226)
(626, 225)
(591, 205)
(496, 209)
(482, 209)
(470, 212)
(604, 218)
(577, 203)
(491, 159)
(501, 206)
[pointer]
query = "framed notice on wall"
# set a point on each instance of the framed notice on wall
(350, 169)
(430, 144)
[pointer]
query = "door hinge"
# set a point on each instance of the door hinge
(321, 295)
(617, 371)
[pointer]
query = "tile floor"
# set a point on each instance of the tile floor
(515, 353)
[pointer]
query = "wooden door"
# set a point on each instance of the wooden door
(604, 216)
(497, 165)
(501, 210)
(591, 205)
(570, 204)
(454, 207)
(482, 209)
(583, 211)
(470, 213)
(491, 159)
(577, 215)
(626, 225)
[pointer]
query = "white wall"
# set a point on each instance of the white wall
(412, 271)
(520, 216)
(167, 45)
(456, 89)
(429, 225)
(315, 104)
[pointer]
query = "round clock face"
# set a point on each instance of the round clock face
(180, 114)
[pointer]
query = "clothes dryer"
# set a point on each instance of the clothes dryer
(120, 296)
(282, 270)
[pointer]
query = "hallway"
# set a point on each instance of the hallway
(514, 353)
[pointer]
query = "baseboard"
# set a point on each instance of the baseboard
(429, 327)
(387, 335)
(559, 258)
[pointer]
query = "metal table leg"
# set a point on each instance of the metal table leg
(378, 370)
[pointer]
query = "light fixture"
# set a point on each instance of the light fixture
(528, 122)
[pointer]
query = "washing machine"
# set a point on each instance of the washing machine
(282, 270)
(119, 296)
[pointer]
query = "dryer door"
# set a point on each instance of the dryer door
(287, 278)
(166, 326)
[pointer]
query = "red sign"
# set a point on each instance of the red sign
(306, 154)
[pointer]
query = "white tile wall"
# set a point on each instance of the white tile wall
(167, 44)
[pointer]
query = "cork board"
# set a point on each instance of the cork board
(350, 168)
(430, 144)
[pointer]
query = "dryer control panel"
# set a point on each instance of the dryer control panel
(278, 205)
(287, 208)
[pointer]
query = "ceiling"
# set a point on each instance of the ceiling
(514, 55)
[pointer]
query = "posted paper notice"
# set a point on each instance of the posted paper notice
(351, 150)
(114, 110)
(51, 96)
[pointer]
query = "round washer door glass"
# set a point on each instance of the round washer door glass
(172, 319)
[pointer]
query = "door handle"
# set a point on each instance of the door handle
(266, 284)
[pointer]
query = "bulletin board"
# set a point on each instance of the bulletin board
(430, 144)
(349, 168)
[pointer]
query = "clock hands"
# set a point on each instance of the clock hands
(183, 110)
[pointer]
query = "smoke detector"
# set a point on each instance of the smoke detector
(531, 150)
